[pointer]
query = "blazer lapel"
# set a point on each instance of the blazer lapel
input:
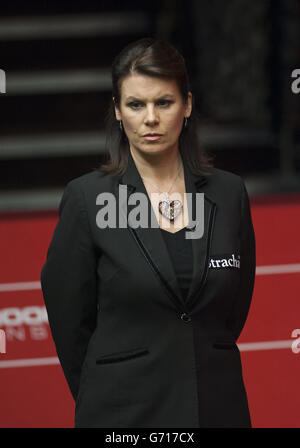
(152, 245)
(201, 246)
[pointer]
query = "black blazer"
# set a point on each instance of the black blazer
(134, 352)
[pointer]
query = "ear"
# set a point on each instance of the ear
(189, 105)
(117, 111)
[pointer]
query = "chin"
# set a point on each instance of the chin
(154, 150)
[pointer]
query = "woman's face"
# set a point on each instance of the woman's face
(152, 111)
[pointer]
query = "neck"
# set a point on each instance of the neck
(159, 168)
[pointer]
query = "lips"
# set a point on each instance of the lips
(152, 137)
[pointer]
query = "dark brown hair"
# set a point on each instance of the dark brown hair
(155, 58)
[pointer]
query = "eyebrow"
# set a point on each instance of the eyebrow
(167, 95)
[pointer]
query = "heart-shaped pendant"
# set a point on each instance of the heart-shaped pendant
(170, 210)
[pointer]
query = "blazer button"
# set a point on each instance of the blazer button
(185, 317)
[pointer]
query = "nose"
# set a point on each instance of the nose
(151, 116)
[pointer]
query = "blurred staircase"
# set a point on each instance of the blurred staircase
(57, 59)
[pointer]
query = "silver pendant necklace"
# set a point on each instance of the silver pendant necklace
(167, 208)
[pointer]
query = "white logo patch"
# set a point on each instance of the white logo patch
(225, 261)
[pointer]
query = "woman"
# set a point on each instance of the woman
(145, 312)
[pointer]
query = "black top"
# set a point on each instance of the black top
(181, 253)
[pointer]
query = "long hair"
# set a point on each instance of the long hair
(157, 59)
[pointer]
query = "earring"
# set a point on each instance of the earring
(120, 124)
(185, 122)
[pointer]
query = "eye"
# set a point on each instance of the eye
(135, 105)
(164, 103)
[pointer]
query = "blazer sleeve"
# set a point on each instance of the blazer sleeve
(68, 280)
(243, 299)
